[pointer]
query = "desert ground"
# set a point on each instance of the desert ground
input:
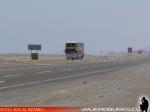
(121, 87)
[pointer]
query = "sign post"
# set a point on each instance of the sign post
(32, 47)
(129, 49)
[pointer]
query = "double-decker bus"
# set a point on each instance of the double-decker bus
(74, 50)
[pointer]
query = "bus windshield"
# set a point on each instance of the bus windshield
(70, 51)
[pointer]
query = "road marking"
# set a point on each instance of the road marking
(65, 77)
(2, 81)
(25, 68)
(44, 72)
(12, 69)
(45, 64)
(12, 75)
(7, 69)
(96, 66)
(83, 67)
(67, 69)
(2, 69)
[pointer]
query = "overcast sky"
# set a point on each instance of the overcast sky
(107, 25)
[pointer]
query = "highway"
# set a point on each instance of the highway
(30, 75)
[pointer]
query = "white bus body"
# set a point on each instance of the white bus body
(74, 50)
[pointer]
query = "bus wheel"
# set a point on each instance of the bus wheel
(82, 57)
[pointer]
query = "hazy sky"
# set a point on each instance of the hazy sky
(107, 25)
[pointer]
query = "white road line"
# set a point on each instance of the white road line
(83, 67)
(67, 69)
(12, 69)
(45, 64)
(25, 68)
(44, 72)
(2, 81)
(2, 69)
(65, 77)
(7, 69)
(38, 67)
(12, 75)
(96, 66)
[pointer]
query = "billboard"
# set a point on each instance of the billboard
(34, 47)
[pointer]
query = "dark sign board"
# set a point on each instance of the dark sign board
(34, 47)
(130, 50)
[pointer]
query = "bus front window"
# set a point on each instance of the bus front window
(70, 51)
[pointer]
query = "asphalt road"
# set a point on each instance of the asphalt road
(29, 75)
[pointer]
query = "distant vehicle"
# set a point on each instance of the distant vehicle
(74, 50)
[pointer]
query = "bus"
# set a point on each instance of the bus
(74, 50)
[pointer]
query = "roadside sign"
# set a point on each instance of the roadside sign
(34, 47)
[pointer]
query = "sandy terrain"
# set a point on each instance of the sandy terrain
(119, 88)
(47, 57)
